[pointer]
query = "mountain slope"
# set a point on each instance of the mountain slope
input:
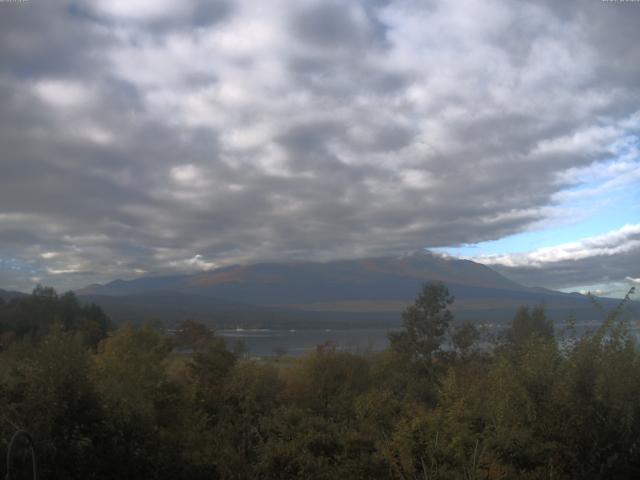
(275, 283)
(375, 288)
(7, 295)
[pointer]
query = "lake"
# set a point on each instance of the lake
(268, 342)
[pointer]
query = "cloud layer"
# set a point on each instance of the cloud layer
(156, 136)
(604, 259)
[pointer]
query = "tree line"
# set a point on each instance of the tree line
(104, 403)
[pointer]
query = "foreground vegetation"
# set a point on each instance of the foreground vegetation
(122, 405)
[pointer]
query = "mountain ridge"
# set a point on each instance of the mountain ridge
(8, 295)
(377, 287)
(424, 267)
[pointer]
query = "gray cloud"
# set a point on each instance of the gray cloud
(337, 26)
(169, 136)
(611, 258)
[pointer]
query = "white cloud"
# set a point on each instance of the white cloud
(621, 241)
(62, 271)
(139, 9)
(198, 262)
(593, 138)
(185, 174)
(63, 93)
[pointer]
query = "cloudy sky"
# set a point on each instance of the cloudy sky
(154, 136)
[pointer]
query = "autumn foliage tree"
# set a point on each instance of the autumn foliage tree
(430, 406)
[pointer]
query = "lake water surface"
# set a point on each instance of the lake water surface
(267, 342)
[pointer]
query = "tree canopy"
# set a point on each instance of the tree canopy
(135, 406)
(33, 316)
(425, 324)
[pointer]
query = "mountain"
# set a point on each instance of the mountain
(300, 282)
(347, 291)
(7, 295)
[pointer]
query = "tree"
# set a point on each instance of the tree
(33, 316)
(425, 324)
(527, 324)
(144, 408)
(45, 389)
(464, 338)
(209, 367)
(193, 335)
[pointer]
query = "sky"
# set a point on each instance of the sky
(146, 137)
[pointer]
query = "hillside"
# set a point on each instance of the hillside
(364, 291)
(7, 295)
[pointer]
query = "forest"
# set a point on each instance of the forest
(123, 403)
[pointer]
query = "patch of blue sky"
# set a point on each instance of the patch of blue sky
(610, 289)
(606, 201)
(17, 274)
(16, 264)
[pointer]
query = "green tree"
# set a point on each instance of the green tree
(208, 369)
(425, 324)
(193, 335)
(464, 338)
(46, 389)
(33, 316)
(528, 323)
(145, 408)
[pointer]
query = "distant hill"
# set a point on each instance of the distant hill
(305, 293)
(7, 295)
